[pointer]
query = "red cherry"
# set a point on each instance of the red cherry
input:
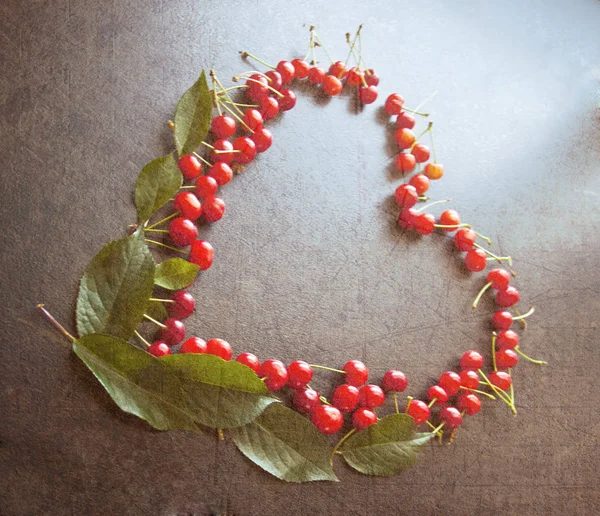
(287, 71)
(219, 348)
(306, 400)
(405, 120)
(338, 69)
(464, 239)
(202, 254)
(363, 418)
(188, 204)
(223, 126)
(434, 170)
(193, 345)
(502, 320)
(288, 101)
(301, 67)
(221, 173)
(500, 379)
(183, 306)
(394, 381)
(173, 333)
(405, 162)
(159, 349)
(424, 223)
(450, 382)
(506, 358)
(469, 403)
(316, 75)
(356, 373)
(225, 155)
(499, 278)
(438, 393)
(345, 397)
(449, 218)
(253, 119)
(249, 360)
(469, 379)
(406, 218)
(371, 77)
(213, 207)
(182, 231)
(190, 166)
(451, 416)
(421, 184)
(507, 339)
(393, 104)
(206, 186)
(371, 396)
(404, 138)
(262, 138)
(274, 79)
(275, 373)
(367, 95)
(471, 360)
(475, 260)
(247, 148)
(406, 196)
(421, 152)
(327, 419)
(419, 411)
(354, 77)
(508, 297)
(269, 108)
(331, 85)
(299, 373)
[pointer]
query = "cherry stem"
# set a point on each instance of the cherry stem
(167, 246)
(323, 47)
(483, 237)
(187, 187)
(171, 125)
(310, 43)
(246, 55)
(220, 434)
(500, 393)
(327, 368)
(159, 324)
(521, 317)
(477, 391)
(396, 402)
(432, 146)
(429, 126)
(137, 334)
(423, 197)
(207, 145)
(415, 112)
(205, 161)
(237, 117)
(434, 430)
(408, 402)
(432, 204)
(161, 300)
(173, 215)
(499, 259)
(156, 230)
(232, 151)
(237, 87)
(58, 326)
(438, 428)
(278, 93)
(253, 72)
(239, 104)
(426, 101)
(527, 357)
(214, 94)
(340, 442)
(481, 292)
(494, 338)
(352, 45)
(432, 402)
(215, 78)
(512, 393)
(324, 400)
(452, 226)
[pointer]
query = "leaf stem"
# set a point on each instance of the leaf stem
(58, 326)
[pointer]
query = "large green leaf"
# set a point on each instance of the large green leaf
(220, 393)
(192, 116)
(158, 181)
(385, 448)
(136, 381)
(115, 288)
(175, 274)
(286, 444)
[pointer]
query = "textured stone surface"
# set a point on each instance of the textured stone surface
(309, 263)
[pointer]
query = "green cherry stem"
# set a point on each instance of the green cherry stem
(207, 145)
(137, 334)
(56, 324)
(320, 43)
(215, 95)
(425, 115)
(162, 221)
(494, 337)
(481, 292)
(156, 300)
(237, 117)
(483, 237)
(352, 44)
(205, 161)
(425, 101)
(316, 366)
(477, 391)
(435, 430)
(156, 230)
(214, 76)
(432, 204)
(501, 394)
(278, 93)
(324, 400)
(438, 428)
(396, 402)
(238, 104)
(451, 226)
(429, 126)
(432, 402)
(167, 246)
(408, 402)
(532, 360)
(432, 146)
(495, 256)
(521, 318)
(512, 393)
(246, 55)
(159, 324)
(340, 442)
(310, 43)
(525, 315)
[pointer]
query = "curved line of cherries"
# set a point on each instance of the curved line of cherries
(268, 94)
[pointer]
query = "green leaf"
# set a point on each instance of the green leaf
(115, 288)
(287, 445)
(137, 382)
(192, 116)
(220, 393)
(385, 448)
(158, 181)
(175, 273)
(157, 311)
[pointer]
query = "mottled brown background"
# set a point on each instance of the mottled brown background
(309, 263)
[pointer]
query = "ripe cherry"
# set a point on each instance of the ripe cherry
(206, 186)
(327, 419)
(394, 381)
(306, 400)
(393, 104)
(331, 85)
(188, 204)
(183, 306)
(274, 79)
(354, 77)
(450, 382)
(357, 373)
(190, 166)
(275, 373)
(363, 418)
(406, 218)
(508, 297)
(223, 126)
(247, 148)
(287, 71)
(345, 397)
(371, 396)
(507, 339)
(405, 120)
(406, 196)
(219, 348)
(269, 108)
(253, 119)
(404, 138)
(506, 358)
(451, 416)
(475, 260)
(202, 254)
(367, 95)
(299, 374)
(500, 379)
(502, 320)
(221, 173)
(421, 184)
(471, 360)
(301, 67)
(469, 379)
(338, 70)
(437, 393)
(419, 411)
(434, 170)
(316, 75)
(193, 345)
(499, 278)
(421, 152)
(159, 349)
(405, 162)
(288, 101)
(249, 360)
(371, 78)
(182, 231)
(469, 403)
(173, 333)
(262, 138)
(464, 239)
(449, 218)
(424, 223)
(224, 154)
(213, 209)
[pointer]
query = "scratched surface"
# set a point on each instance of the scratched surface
(309, 263)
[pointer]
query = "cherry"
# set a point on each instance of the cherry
(213, 207)
(275, 373)
(345, 397)
(301, 67)
(502, 320)
(469, 403)
(173, 333)
(434, 170)
(424, 223)
(371, 78)
(249, 360)
(188, 204)
(206, 186)
(464, 239)
(406, 218)
(421, 184)
(471, 360)
(257, 87)
(475, 260)
(500, 379)
(193, 345)
(421, 152)
(182, 231)
(202, 254)
(450, 382)
(247, 148)
(221, 173)
(508, 297)
(506, 358)
(269, 108)
(405, 138)
(331, 85)
(226, 156)
(223, 126)
(300, 373)
(394, 381)
(288, 101)
(451, 416)
(316, 75)
(449, 218)
(183, 306)
(393, 104)
(159, 349)
(219, 348)
(419, 411)
(306, 400)
(405, 162)
(507, 339)
(367, 95)
(275, 80)
(253, 119)
(469, 379)
(405, 120)
(371, 396)
(406, 196)
(190, 166)
(437, 393)
(287, 71)
(327, 419)
(354, 77)
(363, 418)
(356, 373)
(338, 70)
(499, 279)
(262, 138)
